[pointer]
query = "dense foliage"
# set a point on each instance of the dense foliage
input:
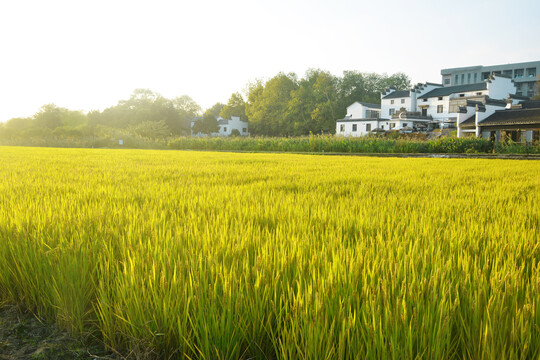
(286, 105)
(283, 105)
(142, 120)
(275, 256)
(371, 144)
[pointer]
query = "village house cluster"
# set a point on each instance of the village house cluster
(227, 127)
(480, 101)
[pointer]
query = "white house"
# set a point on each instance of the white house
(360, 120)
(428, 105)
(227, 126)
(443, 104)
(490, 118)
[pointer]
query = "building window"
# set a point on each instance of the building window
(440, 97)
(403, 101)
(463, 78)
(531, 86)
(424, 100)
(446, 81)
(439, 109)
(456, 79)
(392, 125)
(405, 124)
(518, 73)
(485, 75)
(382, 127)
(391, 101)
(391, 111)
(507, 73)
(461, 95)
(518, 86)
(531, 72)
(478, 93)
(475, 77)
(354, 127)
(342, 128)
(468, 78)
(244, 130)
(368, 127)
(225, 129)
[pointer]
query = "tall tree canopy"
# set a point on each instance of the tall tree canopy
(286, 105)
(236, 106)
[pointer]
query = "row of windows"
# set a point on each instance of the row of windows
(530, 85)
(368, 127)
(244, 130)
(402, 101)
(472, 78)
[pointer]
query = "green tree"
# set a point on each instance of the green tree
(208, 124)
(144, 105)
(49, 116)
(236, 106)
(268, 105)
(215, 110)
(152, 130)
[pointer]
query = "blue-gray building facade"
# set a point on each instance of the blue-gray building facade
(525, 75)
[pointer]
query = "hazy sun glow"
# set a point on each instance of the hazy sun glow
(89, 55)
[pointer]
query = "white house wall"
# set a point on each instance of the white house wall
(361, 127)
(234, 124)
(386, 105)
(500, 87)
(359, 111)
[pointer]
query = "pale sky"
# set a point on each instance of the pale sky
(88, 55)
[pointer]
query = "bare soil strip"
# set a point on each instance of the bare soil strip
(24, 336)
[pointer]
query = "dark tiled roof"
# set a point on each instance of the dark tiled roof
(376, 106)
(469, 122)
(519, 97)
(445, 91)
(398, 94)
(530, 104)
(495, 102)
(223, 122)
(356, 120)
(513, 117)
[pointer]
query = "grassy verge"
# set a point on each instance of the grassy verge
(353, 145)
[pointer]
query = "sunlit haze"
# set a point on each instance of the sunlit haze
(89, 55)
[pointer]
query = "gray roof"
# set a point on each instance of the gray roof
(469, 122)
(518, 97)
(445, 91)
(513, 117)
(223, 122)
(398, 94)
(376, 106)
(532, 104)
(356, 120)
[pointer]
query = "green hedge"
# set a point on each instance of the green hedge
(350, 145)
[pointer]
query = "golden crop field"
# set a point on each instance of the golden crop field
(275, 256)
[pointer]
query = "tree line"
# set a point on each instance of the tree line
(284, 105)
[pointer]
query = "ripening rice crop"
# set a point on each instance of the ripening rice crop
(274, 256)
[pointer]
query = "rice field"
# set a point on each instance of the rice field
(201, 255)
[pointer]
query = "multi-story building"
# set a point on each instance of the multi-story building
(428, 106)
(525, 75)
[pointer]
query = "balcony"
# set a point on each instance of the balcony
(410, 115)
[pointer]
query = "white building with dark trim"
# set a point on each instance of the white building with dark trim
(525, 75)
(227, 127)
(428, 105)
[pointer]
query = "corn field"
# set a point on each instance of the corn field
(174, 254)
